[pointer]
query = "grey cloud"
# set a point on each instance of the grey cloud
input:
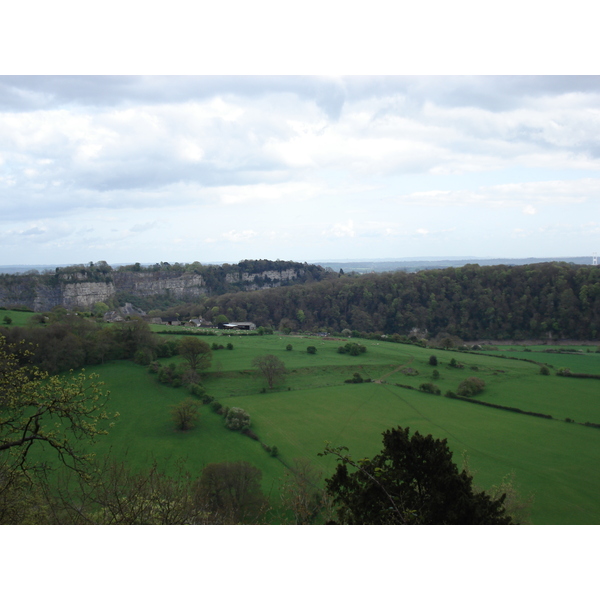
(33, 231)
(19, 93)
(491, 92)
(144, 227)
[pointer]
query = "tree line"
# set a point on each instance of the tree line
(69, 341)
(540, 301)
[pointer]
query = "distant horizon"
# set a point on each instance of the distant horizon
(32, 266)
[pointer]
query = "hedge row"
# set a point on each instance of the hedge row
(450, 394)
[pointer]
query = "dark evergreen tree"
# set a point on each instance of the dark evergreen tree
(413, 480)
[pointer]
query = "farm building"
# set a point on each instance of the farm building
(195, 323)
(170, 321)
(239, 325)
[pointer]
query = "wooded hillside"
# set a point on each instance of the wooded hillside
(472, 302)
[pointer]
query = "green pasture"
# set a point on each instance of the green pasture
(555, 460)
(19, 318)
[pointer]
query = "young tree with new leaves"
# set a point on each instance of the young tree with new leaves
(185, 414)
(196, 353)
(271, 368)
(57, 413)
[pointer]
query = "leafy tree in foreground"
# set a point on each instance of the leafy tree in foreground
(413, 480)
(302, 492)
(117, 495)
(231, 491)
(53, 412)
(271, 368)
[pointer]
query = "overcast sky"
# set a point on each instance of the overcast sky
(220, 169)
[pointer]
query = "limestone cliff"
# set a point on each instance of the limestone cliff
(82, 286)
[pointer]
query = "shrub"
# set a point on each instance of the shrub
(352, 348)
(197, 390)
(433, 361)
(288, 347)
(250, 433)
(311, 350)
(563, 372)
(430, 388)
(544, 370)
(237, 419)
(154, 367)
(143, 357)
(435, 374)
(470, 386)
(356, 378)
(215, 406)
(229, 346)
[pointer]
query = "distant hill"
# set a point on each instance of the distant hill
(412, 265)
(156, 286)
(374, 265)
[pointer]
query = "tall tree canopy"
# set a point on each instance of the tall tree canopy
(413, 480)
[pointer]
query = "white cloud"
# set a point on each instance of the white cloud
(339, 230)
(564, 193)
(389, 163)
(239, 236)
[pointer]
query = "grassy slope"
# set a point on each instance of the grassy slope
(553, 459)
(145, 431)
(19, 318)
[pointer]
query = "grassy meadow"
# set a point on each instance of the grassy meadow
(555, 460)
(18, 318)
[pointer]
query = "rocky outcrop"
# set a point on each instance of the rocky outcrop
(85, 294)
(83, 287)
(154, 283)
(265, 279)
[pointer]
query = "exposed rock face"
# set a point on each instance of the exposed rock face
(84, 294)
(77, 289)
(266, 279)
(157, 282)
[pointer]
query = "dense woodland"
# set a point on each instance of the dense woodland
(498, 302)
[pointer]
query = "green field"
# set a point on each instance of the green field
(553, 459)
(19, 318)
